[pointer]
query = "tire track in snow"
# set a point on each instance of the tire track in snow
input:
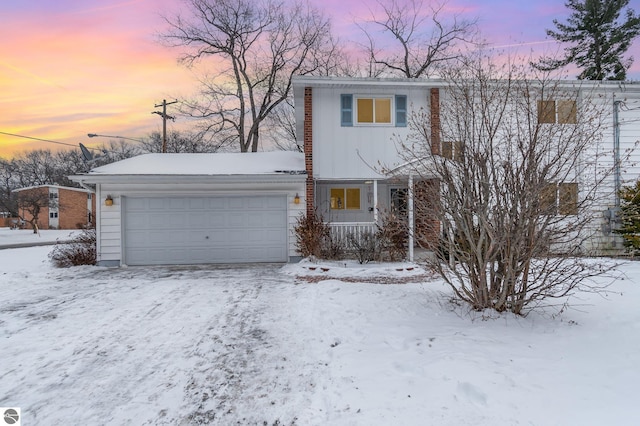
(236, 379)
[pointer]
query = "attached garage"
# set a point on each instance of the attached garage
(187, 209)
(227, 229)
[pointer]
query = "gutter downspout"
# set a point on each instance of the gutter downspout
(84, 185)
(410, 208)
(616, 152)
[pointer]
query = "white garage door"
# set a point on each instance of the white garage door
(193, 230)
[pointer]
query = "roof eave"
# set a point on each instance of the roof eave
(181, 179)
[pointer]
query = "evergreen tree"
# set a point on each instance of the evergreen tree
(630, 218)
(598, 39)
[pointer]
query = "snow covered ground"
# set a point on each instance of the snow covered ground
(26, 236)
(257, 345)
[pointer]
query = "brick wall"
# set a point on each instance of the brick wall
(434, 102)
(308, 148)
(73, 211)
(427, 205)
(7, 222)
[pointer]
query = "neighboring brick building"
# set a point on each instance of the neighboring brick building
(67, 208)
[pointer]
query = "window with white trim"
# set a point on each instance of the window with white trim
(345, 199)
(373, 110)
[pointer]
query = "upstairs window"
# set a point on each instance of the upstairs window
(560, 111)
(373, 110)
(345, 199)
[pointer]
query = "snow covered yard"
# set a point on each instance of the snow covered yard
(26, 236)
(256, 345)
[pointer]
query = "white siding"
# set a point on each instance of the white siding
(356, 152)
(603, 241)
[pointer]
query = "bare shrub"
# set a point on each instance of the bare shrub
(311, 234)
(392, 236)
(366, 246)
(80, 251)
(518, 190)
(333, 247)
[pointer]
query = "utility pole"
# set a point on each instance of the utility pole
(164, 116)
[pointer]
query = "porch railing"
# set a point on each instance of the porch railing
(340, 230)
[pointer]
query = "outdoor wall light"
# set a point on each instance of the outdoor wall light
(108, 201)
(296, 199)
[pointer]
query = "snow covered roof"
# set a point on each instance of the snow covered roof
(69, 188)
(255, 163)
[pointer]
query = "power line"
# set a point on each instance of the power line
(37, 139)
(45, 140)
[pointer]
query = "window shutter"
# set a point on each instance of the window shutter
(346, 110)
(401, 111)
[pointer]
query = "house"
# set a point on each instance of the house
(58, 207)
(242, 207)
(355, 170)
(158, 209)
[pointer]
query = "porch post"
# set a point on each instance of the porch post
(375, 201)
(410, 208)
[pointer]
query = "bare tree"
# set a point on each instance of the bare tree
(31, 202)
(179, 142)
(67, 162)
(8, 175)
(258, 45)
(119, 150)
(46, 167)
(516, 170)
(37, 167)
(409, 38)
(282, 125)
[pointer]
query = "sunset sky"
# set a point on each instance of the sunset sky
(72, 67)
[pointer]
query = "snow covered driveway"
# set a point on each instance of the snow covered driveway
(148, 345)
(256, 346)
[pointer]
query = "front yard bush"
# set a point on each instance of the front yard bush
(81, 250)
(630, 218)
(393, 236)
(313, 238)
(366, 246)
(312, 235)
(389, 241)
